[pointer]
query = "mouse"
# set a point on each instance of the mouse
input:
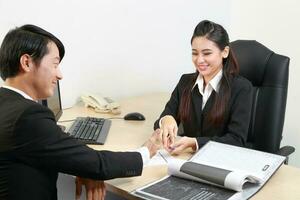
(134, 116)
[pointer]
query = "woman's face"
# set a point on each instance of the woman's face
(207, 57)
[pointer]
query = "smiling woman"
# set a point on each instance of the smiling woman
(213, 103)
(207, 57)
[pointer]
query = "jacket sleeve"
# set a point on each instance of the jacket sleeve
(236, 129)
(172, 105)
(42, 144)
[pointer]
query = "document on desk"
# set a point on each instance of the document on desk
(216, 171)
(160, 158)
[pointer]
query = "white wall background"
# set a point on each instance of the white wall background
(130, 47)
(276, 25)
(121, 47)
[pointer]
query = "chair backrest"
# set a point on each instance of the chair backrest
(268, 73)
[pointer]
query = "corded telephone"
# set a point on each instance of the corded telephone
(101, 104)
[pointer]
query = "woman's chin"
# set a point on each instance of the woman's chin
(203, 72)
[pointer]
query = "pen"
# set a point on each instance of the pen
(163, 157)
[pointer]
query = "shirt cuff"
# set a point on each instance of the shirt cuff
(145, 154)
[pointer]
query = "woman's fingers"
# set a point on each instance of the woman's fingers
(169, 130)
(177, 148)
(182, 144)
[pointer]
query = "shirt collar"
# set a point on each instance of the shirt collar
(214, 83)
(26, 96)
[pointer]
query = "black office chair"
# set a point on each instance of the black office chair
(268, 73)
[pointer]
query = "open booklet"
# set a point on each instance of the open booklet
(237, 172)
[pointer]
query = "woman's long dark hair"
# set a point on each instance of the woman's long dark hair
(217, 34)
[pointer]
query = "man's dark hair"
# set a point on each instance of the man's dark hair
(28, 39)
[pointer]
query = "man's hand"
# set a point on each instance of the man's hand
(95, 190)
(153, 143)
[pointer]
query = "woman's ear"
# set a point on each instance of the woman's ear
(225, 52)
(25, 63)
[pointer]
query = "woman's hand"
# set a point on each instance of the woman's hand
(95, 190)
(182, 144)
(168, 131)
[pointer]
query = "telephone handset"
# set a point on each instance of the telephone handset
(101, 104)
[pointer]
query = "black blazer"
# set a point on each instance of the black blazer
(233, 130)
(33, 149)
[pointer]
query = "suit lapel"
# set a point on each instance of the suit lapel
(207, 127)
(197, 103)
(209, 103)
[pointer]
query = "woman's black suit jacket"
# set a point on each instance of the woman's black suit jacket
(233, 130)
(33, 149)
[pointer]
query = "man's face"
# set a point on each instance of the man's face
(44, 76)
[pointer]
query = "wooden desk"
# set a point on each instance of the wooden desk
(128, 135)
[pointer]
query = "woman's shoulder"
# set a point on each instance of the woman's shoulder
(240, 82)
(187, 77)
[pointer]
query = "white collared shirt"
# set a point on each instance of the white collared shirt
(213, 84)
(26, 96)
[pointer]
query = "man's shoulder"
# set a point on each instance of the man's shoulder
(14, 104)
(36, 109)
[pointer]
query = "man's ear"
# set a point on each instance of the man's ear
(25, 63)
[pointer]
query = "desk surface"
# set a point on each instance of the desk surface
(129, 135)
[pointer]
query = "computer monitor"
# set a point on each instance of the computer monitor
(54, 103)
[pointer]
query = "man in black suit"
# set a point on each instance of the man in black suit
(33, 149)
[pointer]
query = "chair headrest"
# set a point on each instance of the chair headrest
(252, 58)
